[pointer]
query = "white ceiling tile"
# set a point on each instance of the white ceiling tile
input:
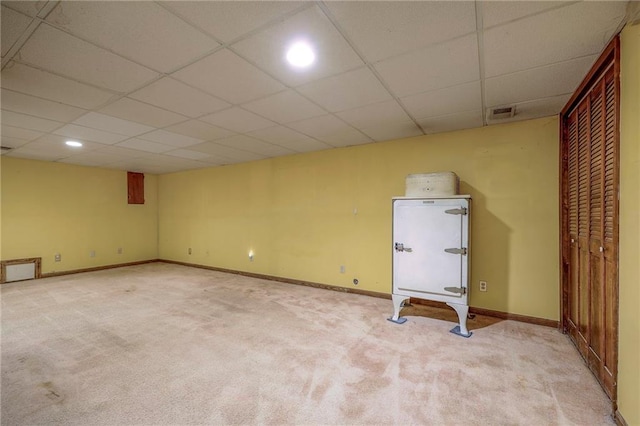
(536, 109)
(167, 164)
(25, 79)
(30, 8)
(12, 142)
(120, 152)
(543, 82)
(85, 56)
(331, 130)
(175, 96)
(463, 97)
(238, 120)
(236, 80)
(288, 138)
(435, 67)
(92, 159)
(108, 157)
(169, 138)
(58, 142)
(199, 130)
(212, 161)
(28, 121)
(17, 132)
(54, 144)
(387, 28)
(226, 153)
(12, 26)
(143, 145)
(128, 166)
(79, 161)
(228, 20)
(573, 31)
(146, 32)
(183, 166)
(346, 91)
(18, 102)
(129, 109)
(149, 163)
(268, 48)
(374, 114)
(501, 12)
(34, 154)
(89, 134)
(188, 154)
(285, 107)
(97, 157)
(403, 129)
(247, 143)
(112, 124)
(54, 50)
(449, 123)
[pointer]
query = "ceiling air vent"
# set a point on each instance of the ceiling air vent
(500, 113)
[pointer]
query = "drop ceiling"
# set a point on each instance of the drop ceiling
(160, 87)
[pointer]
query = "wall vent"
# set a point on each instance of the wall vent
(500, 113)
(20, 269)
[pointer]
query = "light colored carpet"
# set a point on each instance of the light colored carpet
(167, 344)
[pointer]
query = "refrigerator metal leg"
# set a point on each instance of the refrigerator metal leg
(462, 311)
(398, 303)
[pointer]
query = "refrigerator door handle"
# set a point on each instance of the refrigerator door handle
(462, 251)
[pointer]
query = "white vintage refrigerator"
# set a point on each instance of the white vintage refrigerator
(431, 253)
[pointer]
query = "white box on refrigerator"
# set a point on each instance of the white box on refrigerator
(432, 184)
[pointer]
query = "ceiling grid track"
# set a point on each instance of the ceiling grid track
(385, 71)
(31, 28)
(44, 11)
(480, 39)
(229, 46)
(371, 68)
(222, 44)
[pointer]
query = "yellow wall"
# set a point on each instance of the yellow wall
(1, 209)
(629, 348)
(50, 208)
(305, 215)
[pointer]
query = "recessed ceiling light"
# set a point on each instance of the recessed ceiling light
(300, 55)
(74, 144)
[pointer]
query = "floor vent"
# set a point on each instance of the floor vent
(20, 269)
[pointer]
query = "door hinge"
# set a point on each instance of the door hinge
(458, 290)
(462, 251)
(461, 210)
(401, 247)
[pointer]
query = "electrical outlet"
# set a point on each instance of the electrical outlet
(119, 250)
(92, 253)
(342, 269)
(189, 250)
(483, 286)
(57, 257)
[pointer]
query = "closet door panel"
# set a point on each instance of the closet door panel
(610, 234)
(584, 291)
(589, 236)
(596, 280)
(574, 282)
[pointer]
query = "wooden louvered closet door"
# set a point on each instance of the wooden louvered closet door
(589, 203)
